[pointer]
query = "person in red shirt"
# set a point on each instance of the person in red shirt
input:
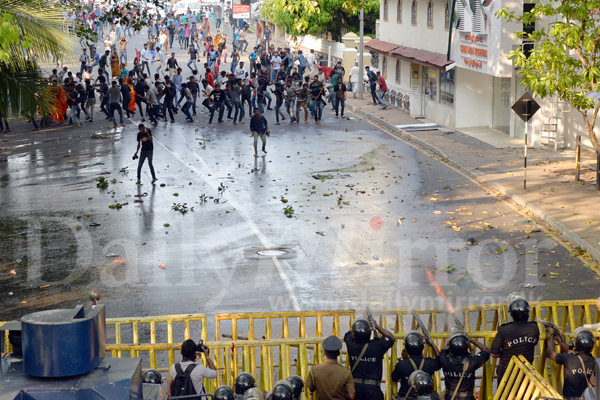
(210, 78)
(382, 90)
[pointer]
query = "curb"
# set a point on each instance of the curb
(550, 220)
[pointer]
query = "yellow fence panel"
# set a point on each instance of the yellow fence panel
(522, 382)
(167, 328)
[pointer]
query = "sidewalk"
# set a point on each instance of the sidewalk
(552, 193)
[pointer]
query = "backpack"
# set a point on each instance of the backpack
(372, 76)
(182, 384)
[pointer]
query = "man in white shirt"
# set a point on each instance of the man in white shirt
(108, 43)
(145, 59)
(275, 65)
(354, 78)
(240, 71)
(192, 363)
(88, 74)
(310, 60)
(162, 58)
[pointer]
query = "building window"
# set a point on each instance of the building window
(430, 15)
(399, 12)
(384, 68)
(413, 13)
(447, 16)
(447, 87)
(431, 82)
(385, 10)
(398, 71)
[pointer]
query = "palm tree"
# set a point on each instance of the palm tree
(31, 31)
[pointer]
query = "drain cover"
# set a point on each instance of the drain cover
(280, 252)
(271, 253)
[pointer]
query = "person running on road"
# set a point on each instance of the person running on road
(259, 127)
(144, 140)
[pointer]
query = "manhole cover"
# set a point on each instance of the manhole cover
(271, 253)
(280, 252)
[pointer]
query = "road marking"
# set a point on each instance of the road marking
(213, 182)
(508, 202)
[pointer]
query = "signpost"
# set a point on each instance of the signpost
(525, 108)
(241, 11)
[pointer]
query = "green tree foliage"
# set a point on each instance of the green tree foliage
(310, 17)
(564, 61)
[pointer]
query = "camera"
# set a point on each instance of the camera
(135, 157)
(200, 346)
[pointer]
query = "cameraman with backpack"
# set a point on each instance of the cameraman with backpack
(190, 373)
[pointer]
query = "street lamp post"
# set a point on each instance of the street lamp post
(361, 83)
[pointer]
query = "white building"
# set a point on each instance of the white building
(473, 89)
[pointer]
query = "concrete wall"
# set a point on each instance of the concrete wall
(473, 99)
(418, 36)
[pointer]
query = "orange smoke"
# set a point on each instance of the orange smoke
(439, 290)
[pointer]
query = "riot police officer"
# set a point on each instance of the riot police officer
(413, 361)
(421, 384)
(297, 384)
(282, 391)
(579, 367)
(459, 365)
(515, 338)
(366, 357)
(224, 392)
(242, 383)
(331, 380)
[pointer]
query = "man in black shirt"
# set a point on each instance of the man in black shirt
(366, 358)
(172, 64)
(170, 93)
(194, 89)
(91, 100)
(372, 84)
(414, 361)
(579, 368)
(515, 338)
(459, 366)
(144, 140)
(218, 102)
(139, 95)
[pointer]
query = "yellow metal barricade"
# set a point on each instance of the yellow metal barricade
(168, 328)
(253, 356)
(400, 322)
(272, 325)
(522, 382)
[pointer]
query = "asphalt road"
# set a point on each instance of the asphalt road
(362, 233)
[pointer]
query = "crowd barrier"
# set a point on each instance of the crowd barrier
(522, 382)
(274, 345)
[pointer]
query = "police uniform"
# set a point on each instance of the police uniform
(576, 379)
(513, 339)
(330, 380)
(405, 367)
(453, 371)
(367, 374)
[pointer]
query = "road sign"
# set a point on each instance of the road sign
(526, 107)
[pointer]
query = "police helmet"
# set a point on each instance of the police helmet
(414, 344)
(458, 346)
(152, 376)
(282, 390)
(223, 393)
(253, 393)
(297, 384)
(269, 395)
(518, 307)
(584, 340)
(421, 382)
(361, 331)
(243, 382)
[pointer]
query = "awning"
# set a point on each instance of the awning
(380, 46)
(424, 56)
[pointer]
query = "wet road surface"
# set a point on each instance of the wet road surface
(362, 233)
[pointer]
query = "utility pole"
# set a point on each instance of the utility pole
(361, 83)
